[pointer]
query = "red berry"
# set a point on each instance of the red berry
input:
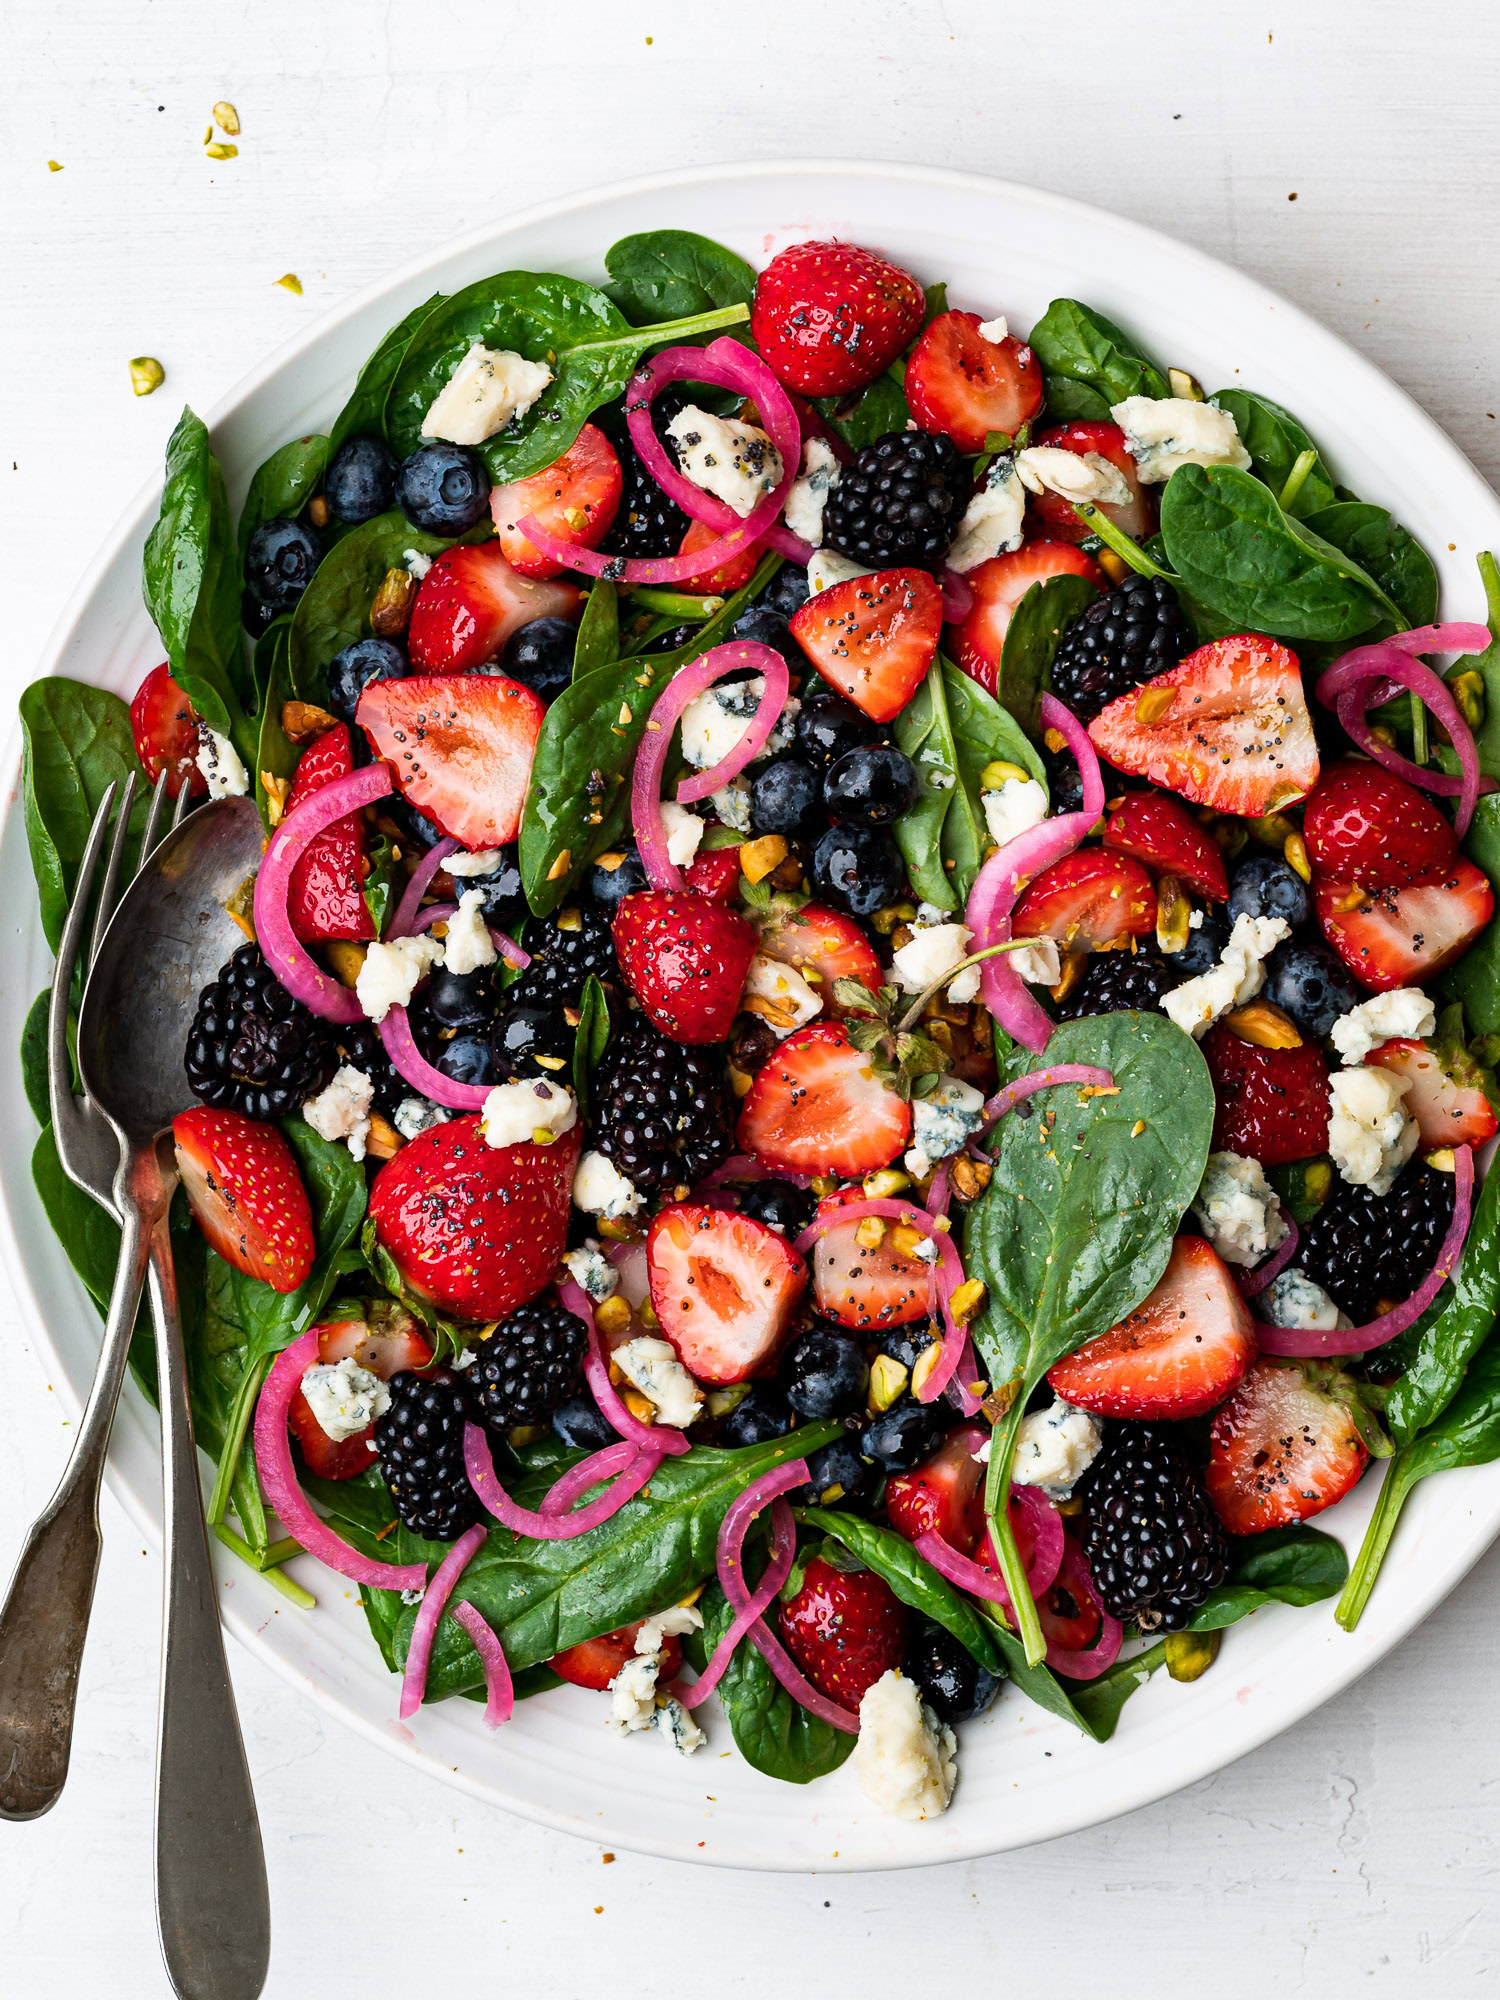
(1162, 832)
(326, 898)
(873, 637)
(242, 1184)
(1272, 1103)
(1281, 1450)
(998, 586)
(165, 726)
(1089, 900)
(724, 1288)
(1056, 516)
(460, 746)
(817, 1107)
(731, 575)
(1401, 937)
(966, 386)
(818, 940)
(944, 1494)
(863, 1287)
(685, 959)
(469, 604)
(593, 1663)
(844, 1628)
(575, 498)
(1366, 825)
(383, 1354)
(715, 874)
(830, 317)
(1447, 1096)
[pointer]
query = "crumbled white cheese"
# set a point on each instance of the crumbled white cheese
(416, 564)
(994, 330)
(1054, 1448)
(678, 1728)
(828, 567)
(515, 1114)
(684, 831)
(905, 1759)
(344, 1397)
(220, 764)
(787, 1001)
(1239, 1209)
(993, 521)
(341, 1110)
(731, 804)
(1238, 976)
(415, 1115)
(1074, 475)
(941, 1123)
(636, 1704)
(391, 972)
(1163, 432)
(592, 1271)
(634, 1691)
(934, 950)
(809, 494)
(483, 861)
(1019, 805)
(734, 461)
(468, 946)
(1371, 1135)
(1404, 1013)
(714, 721)
(1039, 964)
(928, 1250)
(673, 1623)
(599, 1188)
(1292, 1299)
(487, 390)
(651, 1365)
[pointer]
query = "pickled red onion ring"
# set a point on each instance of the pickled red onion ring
(395, 1030)
(996, 889)
(1364, 675)
(748, 1607)
(289, 959)
(1253, 1283)
(660, 1438)
(1048, 1540)
(429, 1615)
(404, 917)
(501, 1692)
(770, 1647)
(1085, 1663)
(479, 1463)
(591, 1471)
(1084, 1074)
(954, 1335)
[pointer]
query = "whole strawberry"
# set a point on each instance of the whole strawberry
(685, 959)
(844, 1628)
(242, 1184)
(830, 317)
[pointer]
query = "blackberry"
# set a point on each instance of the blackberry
(1129, 635)
(646, 522)
(361, 1047)
(899, 502)
(565, 949)
(420, 1440)
(1116, 982)
(529, 1366)
(661, 1109)
(1152, 1541)
(1363, 1247)
(252, 1047)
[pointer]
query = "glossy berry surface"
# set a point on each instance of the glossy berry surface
(466, 1058)
(899, 502)
(351, 671)
(1364, 1248)
(1267, 886)
(904, 1434)
(541, 655)
(828, 727)
(456, 999)
(858, 867)
(825, 1374)
(762, 1414)
(948, 1677)
(582, 1425)
(1205, 941)
(769, 628)
(1313, 985)
(873, 784)
(442, 489)
(786, 797)
(1129, 635)
(779, 1205)
(531, 1038)
(420, 1440)
(1153, 1543)
(279, 563)
(838, 1476)
(609, 886)
(361, 480)
(502, 899)
(529, 1365)
(251, 1046)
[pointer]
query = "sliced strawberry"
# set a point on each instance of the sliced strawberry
(1088, 901)
(998, 586)
(818, 1107)
(715, 874)
(830, 317)
(1162, 832)
(725, 1289)
(1178, 1354)
(242, 1184)
(1401, 937)
(470, 602)
(460, 746)
(685, 959)
(478, 1229)
(326, 898)
(1366, 825)
(873, 637)
(165, 726)
(383, 1353)
(943, 1494)
(326, 1457)
(825, 946)
(574, 498)
(1055, 515)
(1447, 1096)
(1068, 1616)
(730, 576)
(593, 1663)
(863, 1287)
(960, 383)
(1281, 1449)
(1272, 1103)
(1227, 727)
(844, 1628)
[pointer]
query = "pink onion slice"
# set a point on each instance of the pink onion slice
(996, 889)
(1458, 636)
(404, 917)
(278, 1475)
(501, 1701)
(1056, 716)
(591, 1471)
(479, 1463)
(1048, 1536)
(1362, 676)
(660, 1438)
(1046, 1528)
(958, 597)
(289, 959)
(429, 1614)
(743, 1167)
(410, 1063)
(1086, 1663)
(1083, 1074)
(954, 1335)
(749, 1605)
(1303, 1341)
(1253, 1283)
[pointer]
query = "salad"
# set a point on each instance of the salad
(866, 1023)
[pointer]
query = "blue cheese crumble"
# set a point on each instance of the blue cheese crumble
(1239, 1209)
(941, 1123)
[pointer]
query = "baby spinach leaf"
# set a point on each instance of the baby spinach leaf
(34, 1057)
(1048, 1690)
(1487, 665)
(1475, 979)
(334, 610)
(666, 274)
(76, 741)
(772, 1732)
(913, 1579)
(335, 1183)
(282, 486)
(88, 1234)
(275, 755)
(1088, 362)
(868, 414)
(364, 413)
(1432, 1376)
(1031, 642)
(1097, 1703)
(1295, 1565)
(591, 1039)
(1384, 550)
(1275, 441)
(598, 641)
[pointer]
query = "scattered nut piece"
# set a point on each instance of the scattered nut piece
(1152, 705)
(906, 1241)
(968, 1177)
(1317, 1180)
(927, 1360)
(967, 1299)
(303, 719)
(1186, 386)
(1441, 1161)
(888, 1379)
(54, 166)
(1264, 1026)
(227, 118)
(1114, 566)
(277, 791)
(759, 857)
(346, 959)
(997, 771)
(1174, 915)
(882, 1186)
(318, 511)
(1294, 850)
(146, 374)
(561, 865)
(869, 1233)
(612, 1315)
(383, 1141)
(219, 150)
(390, 609)
(290, 282)
(1191, 1654)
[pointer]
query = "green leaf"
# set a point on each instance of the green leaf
(591, 1039)
(275, 755)
(76, 742)
(88, 1234)
(598, 641)
(1450, 1341)
(1275, 441)
(1384, 550)
(774, 1734)
(282, 486)
(1064, 1699)
(364, 413)
(34, 1056)
(868, 414)
(1296, 1565)
(334, 610)
(1487, 665)
(665, 274)
(1089, 363)
(1098, 1702)
(1031, 642)
(1475, 979)
(912, 1578)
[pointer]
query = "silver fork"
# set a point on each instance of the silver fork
(45, 1618)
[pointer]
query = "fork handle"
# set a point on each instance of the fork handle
(45, 1619)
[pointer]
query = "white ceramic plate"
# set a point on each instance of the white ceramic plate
(1025, 1777)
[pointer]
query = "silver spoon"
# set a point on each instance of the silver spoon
(166, 940)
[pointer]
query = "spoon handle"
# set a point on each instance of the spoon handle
(212, 1905)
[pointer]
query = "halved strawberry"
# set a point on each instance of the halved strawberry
(1137, 516)
(460, 746)
(685, 959)
(998, 586)
(470, 602)
(1227, 727)
(1272, 1103)
(1282, 1448)
(1363, 824)
(165, 726)
(830, 317)
(725, 1289)
(386, 1344)
(862, 1287)
(575, 498)
(1400, 937)
(593, 1663)
(731, 575)
(1069, 1617)
(1162, 832)
(825, 946)
(715, 874)
(1178, 1354)
(382, 1354)
(844, 1628)
(326, 898)
(944, 1493)
(873, 637)
(818, 1107)
(1447, 1096)
(242, 1184)
(1089, 900)
(960, 383)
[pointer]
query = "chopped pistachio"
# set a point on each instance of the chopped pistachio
(382, 1142)
(869, 1233)
(220, 150)
(1184, 385)
(1294, 849)
(1264, 1026)
(561, 865)
(759, 857)
(1191, 1654)
(997, 771)
(1153, 704)
(888, 1379)
(883, 1185)
(290, 282)
(346, 959)
(318, 511)
(927, 1360)
(301, 720)
(1114, 566)
(54, 166)
(967, 1299)
(227, 118)
(390, 609)
(146, 374)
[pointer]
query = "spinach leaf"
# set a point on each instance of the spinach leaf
(1475, 979)
(334, 610)
(1098, 1702)
(591, 1038)
(581, 335)
(1487, 665)
(275, 755)
(1384, 550)
(869, 413)
(88, 1234)
(1089, 364)
(1275, 441)
(1031, 642)
(1296, 1565)
(76, 741)
(1450, 1341)
(665, 274)
(772, 1732)
(282, 486)
(578, 802)
(598, 641)
(912, 1578)
(1040, 1684)
(335, 1183)
(364, 413)
(34, 1057)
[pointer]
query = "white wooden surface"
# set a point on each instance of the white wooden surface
(1344, 154)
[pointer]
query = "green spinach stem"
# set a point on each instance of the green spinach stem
(234, 1440)
(669, 331)
(996, 1496)
(1372, 1549)
(913, 1013)
(676, 604)
(1125, 548)
(272, 1575)
(1296, 479)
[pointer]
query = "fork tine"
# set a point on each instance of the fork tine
(183, 806)
(110, 885)
(59, 1071)
(152, 832)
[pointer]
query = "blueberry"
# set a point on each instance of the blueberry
(541, 655)
(947, 1675)
(787, 591)
(779, 1205)
(361, 480)
(255, 616)
(279, 563)
(416, 826)
(837, 1476)
(352, 671)
(875, 783)
(905, 1343)
(467, 1059)
(442, 489)
(502, 901)
(581, 1424)
(904, 1435)
(1310, 983)
(1267, 886)
(530, 1039)
(785, 797)
(828, 726)
(760, 1415)
(769, 628)
(458, 999)
(859, 867)
(1204, 943)
(610, 886)
(825, 1374)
